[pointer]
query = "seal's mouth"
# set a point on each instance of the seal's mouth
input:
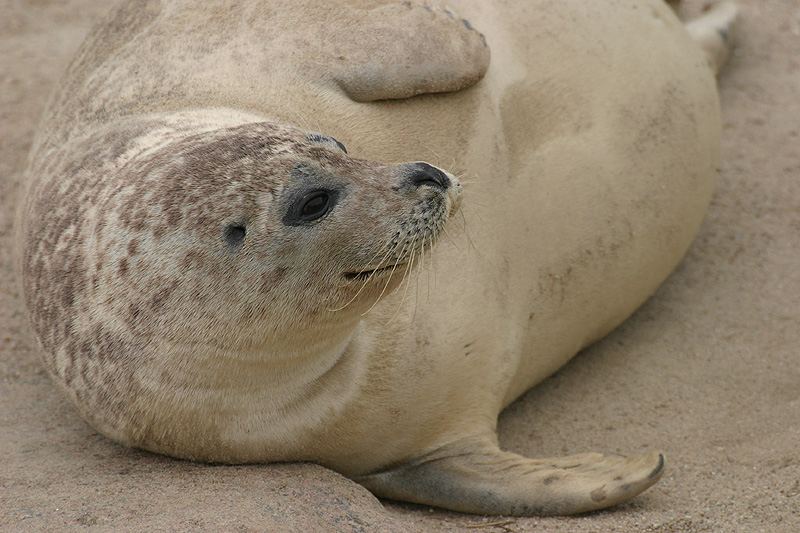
(363, 275)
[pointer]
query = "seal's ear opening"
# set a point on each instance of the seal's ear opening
(234, 235)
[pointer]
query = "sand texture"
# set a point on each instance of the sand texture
(708, 370)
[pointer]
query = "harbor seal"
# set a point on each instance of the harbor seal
(244, 236)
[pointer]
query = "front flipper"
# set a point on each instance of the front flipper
(405, 49)
(477, 477)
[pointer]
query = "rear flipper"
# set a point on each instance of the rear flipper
(714, 32)
(475, 476)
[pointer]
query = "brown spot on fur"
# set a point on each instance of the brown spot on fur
(172, 213)
(193, 258)
(123, 267)
(133, 247)
(270, 279)
(134, 312)
(550, 479)
(598, 495)
(159, 299)
(67, 290)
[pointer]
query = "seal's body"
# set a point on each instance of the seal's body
(203, 277)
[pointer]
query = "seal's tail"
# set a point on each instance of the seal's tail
(714, 32)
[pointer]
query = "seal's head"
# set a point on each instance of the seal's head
(242, 236)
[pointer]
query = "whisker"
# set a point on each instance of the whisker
(391, 274)
(369, 278)
(431, 266)
(449, 238)
(416, 292)
(431, 150)
(410, 265)
(468, 206)
(408, 269)
(466, 231)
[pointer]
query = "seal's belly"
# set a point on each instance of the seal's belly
(588, 165)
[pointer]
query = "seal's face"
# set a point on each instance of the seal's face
(257, 229)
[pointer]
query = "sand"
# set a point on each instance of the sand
(708, 370)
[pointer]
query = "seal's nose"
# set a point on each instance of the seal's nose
(422, 174)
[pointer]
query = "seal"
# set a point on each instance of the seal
(211, 277)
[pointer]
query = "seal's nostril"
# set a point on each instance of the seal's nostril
(425, 174)
(420, 180)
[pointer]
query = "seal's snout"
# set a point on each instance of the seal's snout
(420, 175)
(425, 175)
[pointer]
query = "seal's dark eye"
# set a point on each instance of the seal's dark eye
(312, 206)
(315, 207)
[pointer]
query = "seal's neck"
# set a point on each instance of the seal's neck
(267, 402)
(292, 358)
(308, 352)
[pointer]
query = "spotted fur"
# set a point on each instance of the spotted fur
(130, 255)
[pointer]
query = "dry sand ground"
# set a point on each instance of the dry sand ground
(708, 370)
